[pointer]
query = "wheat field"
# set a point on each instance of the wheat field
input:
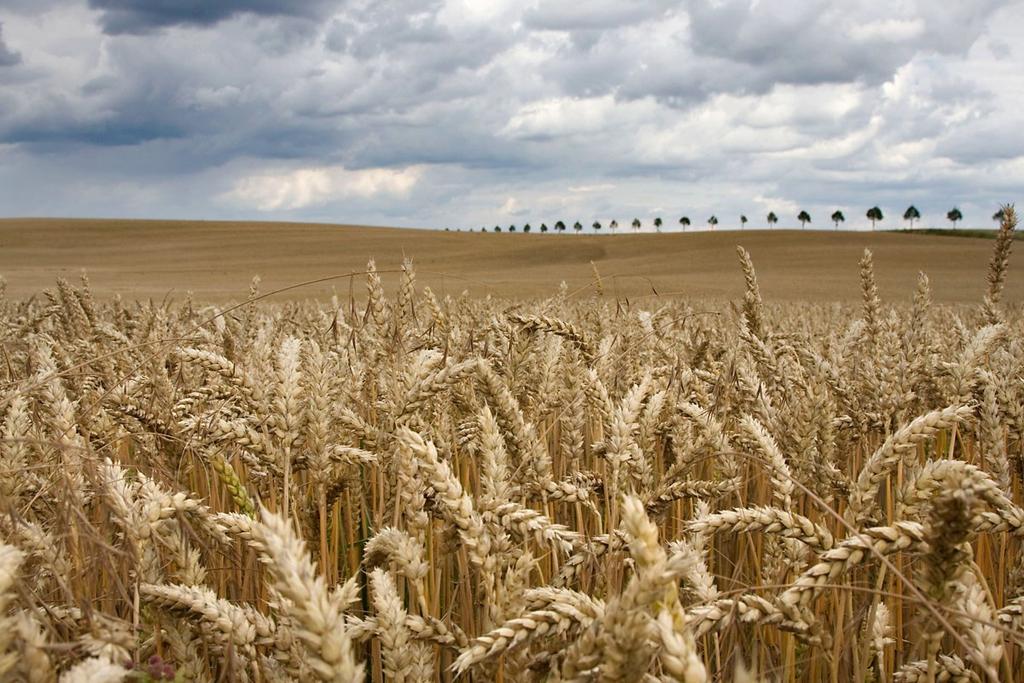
(213, 261)
(415, 486)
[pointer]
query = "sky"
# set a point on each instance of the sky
(465, 113)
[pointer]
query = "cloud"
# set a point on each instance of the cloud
(887, 30)
(778, 205)
(435, 112)
(560, 117)
(819, 42)
(594, 15)
(7, 56)
(305, 187)
(143, 16)
(601, 187)
(512, 207)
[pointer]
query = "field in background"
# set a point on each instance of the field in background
(957, 232)
(216, 260)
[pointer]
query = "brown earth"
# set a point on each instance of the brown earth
(216, 260)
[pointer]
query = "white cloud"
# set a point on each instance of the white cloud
(781, 207)
(890, 30)
(512, 207)
(305, 187)
(563, 116)
(458, 13)
(600, 187)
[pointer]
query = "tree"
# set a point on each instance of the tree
(497, 228)
(954, 215)
(712, 222)
(596, 226)
(874, 215)
(657, 224)
(636, 225)
(911, 214)
(838, 217)
(511, 228)
(526, 228)
(743, 222)
(772, 219)
(578, 227)
(614, 225)
(560, 226)
(804, 219)
(685, 222)
(998, 216)
(543, 227)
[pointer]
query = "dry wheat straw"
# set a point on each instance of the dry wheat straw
(407, 486)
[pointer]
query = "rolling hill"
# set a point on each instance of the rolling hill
(216, 260)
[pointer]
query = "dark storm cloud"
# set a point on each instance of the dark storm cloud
(110, 133)
(7, 56)
(143, 16)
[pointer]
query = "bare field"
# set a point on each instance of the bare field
(216, 260)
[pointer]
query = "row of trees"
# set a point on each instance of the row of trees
(874, 214)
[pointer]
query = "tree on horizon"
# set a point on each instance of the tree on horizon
(911, 214)
(636, 225)
(511, 228)
(596, 226)
(497, 228)
(578, 227)
(874, 215)
(657, 223)
(838, 217)
(685, 222)
(743, 221)
(772, 219)
(543, 227)
(804, 219)
(954, 215)
(713, 221)
(614, 225)
(560, 226)
(526, 228)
